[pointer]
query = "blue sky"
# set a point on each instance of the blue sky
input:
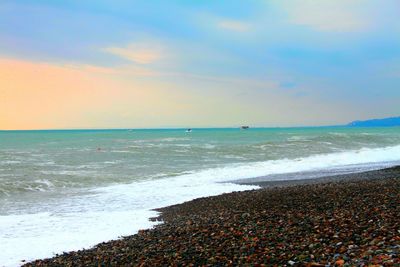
(221, 63)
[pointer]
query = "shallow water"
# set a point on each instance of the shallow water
(64, 190)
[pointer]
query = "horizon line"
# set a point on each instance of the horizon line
(170, 128)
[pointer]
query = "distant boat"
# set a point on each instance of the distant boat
(244, 127)
(189, 130)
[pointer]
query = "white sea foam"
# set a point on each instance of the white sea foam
(110, 162)
(114, 211)
(108, 212)
(46, 163)
(122, 151)
(171, 139)
(299, 138)
(322, 161)
(233, 157)
(45, 182)
(167, 139)
(339, 134)
(70, 172)
(41, 235)
(7, 162)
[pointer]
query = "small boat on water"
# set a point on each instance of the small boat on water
(189, 130)
(244, 127)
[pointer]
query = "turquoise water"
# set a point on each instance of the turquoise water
(59, 160)
(55, 178)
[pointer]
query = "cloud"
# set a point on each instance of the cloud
(131, 70)
(329, 15)
(137, 53)
(234, 25)
(91, 68)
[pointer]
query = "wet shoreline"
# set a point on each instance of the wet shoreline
(265, 182)
(340, 220)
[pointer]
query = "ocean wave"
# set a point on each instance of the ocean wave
(123, 151)
(339, 134)
(108, 212)
(315, 162)
(157, 140)
(8, 162)
(70, 172)
(300, 138)
(212, 178)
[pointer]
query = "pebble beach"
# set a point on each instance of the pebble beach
(346, 220)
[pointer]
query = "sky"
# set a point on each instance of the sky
(210, 63)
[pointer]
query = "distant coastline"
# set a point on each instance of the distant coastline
(386, 122)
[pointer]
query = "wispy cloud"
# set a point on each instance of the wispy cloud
(234, 25)
(328, 15)
(130, 69)
(137, 53)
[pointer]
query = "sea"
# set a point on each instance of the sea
(63, 190)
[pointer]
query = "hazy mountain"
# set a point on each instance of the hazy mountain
(387, 122)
